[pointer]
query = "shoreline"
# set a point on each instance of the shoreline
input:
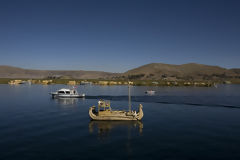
(199, 83)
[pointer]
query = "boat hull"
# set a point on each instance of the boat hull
(67, 96)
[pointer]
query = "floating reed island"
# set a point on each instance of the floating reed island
(115, 82)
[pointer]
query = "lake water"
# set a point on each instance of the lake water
(179, 123)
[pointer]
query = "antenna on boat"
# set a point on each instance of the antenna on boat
(129, 98)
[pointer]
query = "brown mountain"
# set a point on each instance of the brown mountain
(14, 72)
(235, 70)
(185, 71)
(153, 71)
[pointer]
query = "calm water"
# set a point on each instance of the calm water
(179, 123)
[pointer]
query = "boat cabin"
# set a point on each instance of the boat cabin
(104, 107)
(66, 91)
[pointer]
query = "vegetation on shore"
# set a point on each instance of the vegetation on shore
(117, 82)
(154, 74)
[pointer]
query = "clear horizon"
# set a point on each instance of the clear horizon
(115, 36)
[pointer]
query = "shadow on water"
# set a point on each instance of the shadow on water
(104, 128)
(164, 100)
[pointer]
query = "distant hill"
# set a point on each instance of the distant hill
(153, 71)
(185, 71)
(235, 70)
(14, 72)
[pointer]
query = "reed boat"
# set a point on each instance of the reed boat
(104, 112)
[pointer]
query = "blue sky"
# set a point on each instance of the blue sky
(117, 35)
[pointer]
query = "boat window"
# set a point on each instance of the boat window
(67, 92)
(61, 92)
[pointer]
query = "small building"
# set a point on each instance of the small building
(103, 82)
(125, 83)
(130, 83)
(187, 83)
(46, 82)
(156, 83)
(196, 83)
(113, 83)
(72, 83)
(85, 83)
(15, 82)
(33, 81)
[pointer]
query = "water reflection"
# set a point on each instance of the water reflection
(104, 128)
(66, 101)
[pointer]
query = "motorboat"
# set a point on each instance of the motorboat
(150, 92)
(66, 93)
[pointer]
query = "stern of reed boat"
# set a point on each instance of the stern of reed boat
(140, 112)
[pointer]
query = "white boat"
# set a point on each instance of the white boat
(67, 93)
(150, 92)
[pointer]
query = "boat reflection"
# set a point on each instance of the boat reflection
(66, 101)
(104, 128)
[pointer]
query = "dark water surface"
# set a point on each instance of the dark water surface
(179, 123)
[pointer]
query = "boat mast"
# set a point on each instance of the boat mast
(129, 98)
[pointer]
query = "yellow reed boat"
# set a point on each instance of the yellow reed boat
(104, 112)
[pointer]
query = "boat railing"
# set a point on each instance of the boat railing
(104, 104)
